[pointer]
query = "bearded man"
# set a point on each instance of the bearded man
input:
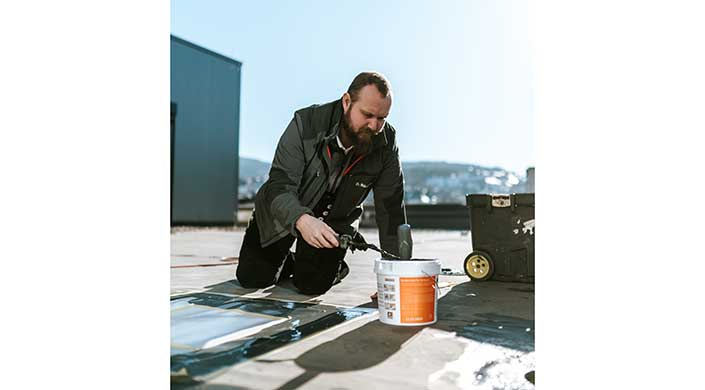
(327, 161)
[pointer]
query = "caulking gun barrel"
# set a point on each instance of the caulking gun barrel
(345, 241)
(405, 242)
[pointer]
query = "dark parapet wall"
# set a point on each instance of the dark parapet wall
(421, 216)
(205, 86)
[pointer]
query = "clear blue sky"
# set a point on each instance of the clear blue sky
(461, 71)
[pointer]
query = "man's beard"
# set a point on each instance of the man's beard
(362, 139)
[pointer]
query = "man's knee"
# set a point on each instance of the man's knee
(314, 290)
(312, 285)
(252, 277)
(257, 266)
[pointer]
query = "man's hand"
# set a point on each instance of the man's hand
(316, 232)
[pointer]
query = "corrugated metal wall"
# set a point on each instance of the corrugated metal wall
(205, 88)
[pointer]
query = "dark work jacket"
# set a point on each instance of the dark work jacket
(300, 169)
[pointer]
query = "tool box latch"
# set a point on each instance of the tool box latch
(501, 201)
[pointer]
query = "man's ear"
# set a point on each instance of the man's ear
(346, 102)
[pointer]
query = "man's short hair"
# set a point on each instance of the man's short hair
(367, 78)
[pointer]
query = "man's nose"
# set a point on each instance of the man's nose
(375, 125)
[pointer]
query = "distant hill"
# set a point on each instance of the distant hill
(430, 182)
(436, 182)
(249, 167)
(253, 173)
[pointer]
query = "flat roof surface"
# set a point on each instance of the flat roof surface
(484, 336)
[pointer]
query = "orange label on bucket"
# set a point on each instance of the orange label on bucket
(417, 299)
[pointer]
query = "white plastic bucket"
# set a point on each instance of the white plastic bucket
(407, 292)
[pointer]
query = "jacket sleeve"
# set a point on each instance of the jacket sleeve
(389, 201)
(285, 176)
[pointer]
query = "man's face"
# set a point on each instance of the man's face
(365, 118)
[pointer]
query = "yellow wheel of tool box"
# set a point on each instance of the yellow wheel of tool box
(479, 266)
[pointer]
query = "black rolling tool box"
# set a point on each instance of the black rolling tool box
(502, 228)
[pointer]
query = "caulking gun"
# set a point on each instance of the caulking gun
(403, 236)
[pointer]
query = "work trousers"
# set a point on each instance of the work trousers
(315, 270)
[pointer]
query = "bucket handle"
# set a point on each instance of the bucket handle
(435, 282)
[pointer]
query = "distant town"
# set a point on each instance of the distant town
(426, 182)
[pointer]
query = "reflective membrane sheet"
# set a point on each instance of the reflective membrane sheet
(213, 331)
